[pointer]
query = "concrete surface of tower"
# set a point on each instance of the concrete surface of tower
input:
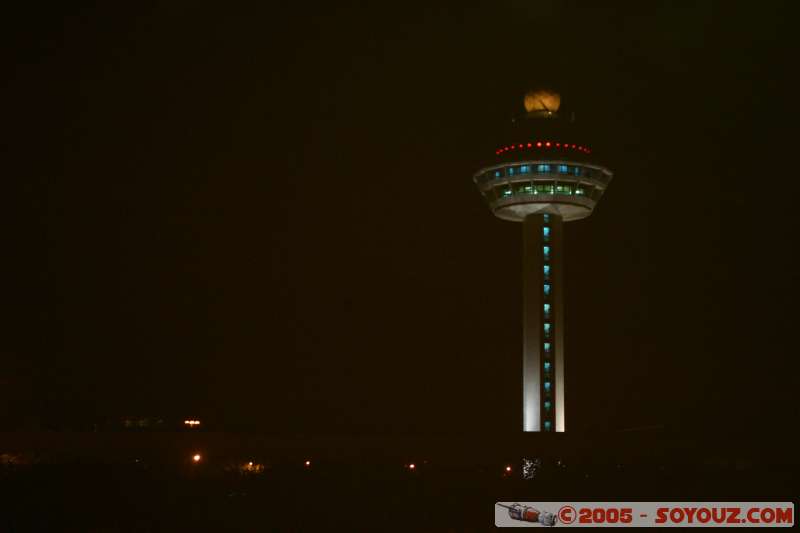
(543, 173)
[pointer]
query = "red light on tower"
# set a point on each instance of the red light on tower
(539, 144)
(547, 144)
(529, 145)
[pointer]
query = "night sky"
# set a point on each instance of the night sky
(265, 218)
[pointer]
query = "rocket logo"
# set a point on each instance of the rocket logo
(530, 514)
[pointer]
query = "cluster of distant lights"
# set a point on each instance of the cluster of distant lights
(413, 467)
(197, 458)
(542, 144)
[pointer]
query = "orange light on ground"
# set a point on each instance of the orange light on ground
(308, 463)
(196, 458)
(508, 469)
(251, 467)
(412, 466)
(191, 423)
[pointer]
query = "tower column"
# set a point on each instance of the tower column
(557, 302)
(543, 338)
(532, 278)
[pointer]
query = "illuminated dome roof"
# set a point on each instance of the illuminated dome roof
(542, 100)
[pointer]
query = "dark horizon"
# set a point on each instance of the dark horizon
(267, 219)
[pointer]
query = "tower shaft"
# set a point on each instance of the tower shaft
(543, 323)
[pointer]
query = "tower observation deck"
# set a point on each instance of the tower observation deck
(544, 172)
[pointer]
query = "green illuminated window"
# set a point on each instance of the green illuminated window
(543, 169)
(546, 218)
(546, 251)
(547, 425)
(547, 366)
(547, 289)
(547, 405)
(564, 188)
(576, 171)
(547, 310)
(523, 187)
(546, 270)
(502, 191)
(544, 187)
(547, 329)
(525, 169)
(547, 386)
(562, 169)
(498, 173)
(547, 347)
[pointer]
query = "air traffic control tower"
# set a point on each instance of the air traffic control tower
(543, 174)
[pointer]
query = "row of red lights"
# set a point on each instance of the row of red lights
(543, 144)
